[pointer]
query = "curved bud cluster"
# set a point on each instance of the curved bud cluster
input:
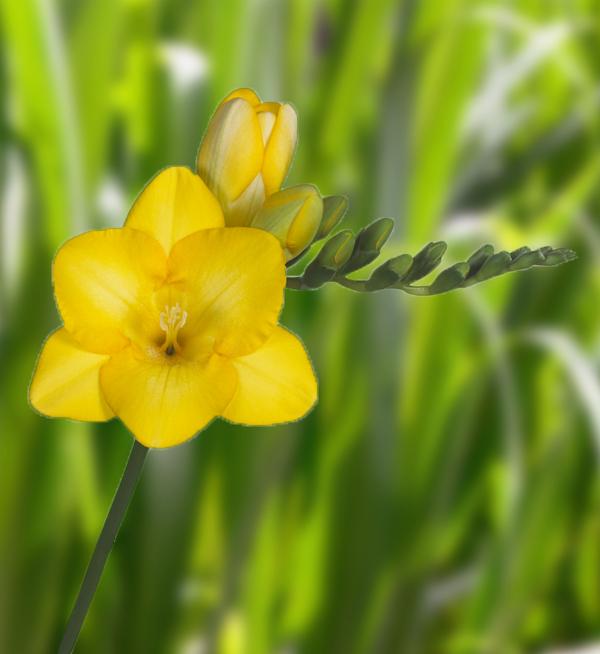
(244, 159)
(345, 253)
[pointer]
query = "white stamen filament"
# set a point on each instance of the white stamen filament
(172, 318)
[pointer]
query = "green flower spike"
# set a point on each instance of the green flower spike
(345, 253)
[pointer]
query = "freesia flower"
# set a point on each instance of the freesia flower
(172, 321)
(246, 153)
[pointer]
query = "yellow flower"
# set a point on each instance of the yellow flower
(246, 153)
(171, 321)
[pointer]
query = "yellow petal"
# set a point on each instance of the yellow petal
(245, 94)
(267, 115)
(231, 154)
(280, 148)
(174, 204)
(103, 282)
(293, 216)
(232, 282)
(266, 120)
(164, 403)
(66, 382)
(275, 384)
(241, 211)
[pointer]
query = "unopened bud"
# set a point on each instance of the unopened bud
(334, 209)
(246, 153)
(390, 272)
(373, 237)
(334, 254)
(337, 250)
(292, 216)
(369, 242)
(450, 278)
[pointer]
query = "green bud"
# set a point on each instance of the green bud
(479, 257)
(527, 259)
(374, 236)
(556, 257)
(390, 272)
(425, 261)
(332, 256)
(515, 254)
(292, 216)
(495, 265)
(368, 244)
(336, 252)
(450, 278)
(334, 209)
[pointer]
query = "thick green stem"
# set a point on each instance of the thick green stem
(104, 545)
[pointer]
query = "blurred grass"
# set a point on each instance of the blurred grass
(444, 496)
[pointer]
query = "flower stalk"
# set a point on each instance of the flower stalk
(104, 545)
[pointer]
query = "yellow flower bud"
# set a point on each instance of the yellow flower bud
(246, 153)
(293, 216)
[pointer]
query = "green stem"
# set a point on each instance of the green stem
(361, 286)
(104, 545)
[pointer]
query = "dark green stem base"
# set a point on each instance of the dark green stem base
(104, 545)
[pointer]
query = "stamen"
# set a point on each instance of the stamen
(171, 320)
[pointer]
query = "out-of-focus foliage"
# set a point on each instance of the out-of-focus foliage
(444, 496)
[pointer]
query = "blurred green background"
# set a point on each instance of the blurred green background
(444, 496)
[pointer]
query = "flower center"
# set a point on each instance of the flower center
(172, 319)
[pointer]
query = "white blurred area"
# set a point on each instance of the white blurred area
(583, 649)
(13, 205)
